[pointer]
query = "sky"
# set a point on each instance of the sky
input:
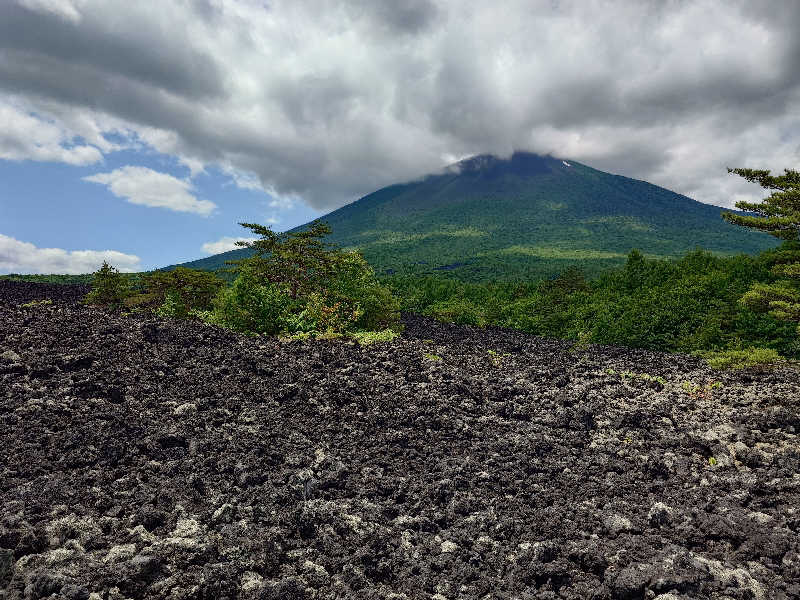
(142, 133)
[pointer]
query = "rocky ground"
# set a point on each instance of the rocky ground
(153, 459)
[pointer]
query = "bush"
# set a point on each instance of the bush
(372, 337)
(457, 310)
(250, 306)
(177, 292)
(110, 288)
(354, 286)
(742, 359)
(173, 307)
(672, 305)
(295, 284)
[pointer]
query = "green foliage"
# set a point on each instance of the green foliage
(59, 279)
(297, 284)
(431, 357)
(173, 306)
(671, 305)
(457, 310)
(524, 219)
(497, 357)
(359, 294)
(110, 288)
(372, 337)
(704, 391)
(181, 289)
(299, 261)
(250, 306)
(640, 376)
(35, 303)
(742, 359)
(778, 215)
(206, 316)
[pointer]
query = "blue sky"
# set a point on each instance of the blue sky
(142, 132)
(52, 205)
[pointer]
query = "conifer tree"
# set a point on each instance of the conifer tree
(301, 260)
(778, 215)
(297, 282)
(109, 287)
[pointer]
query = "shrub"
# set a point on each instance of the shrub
(173, 307)
(250, 306)
(178, 291)
(371, 337)
(296, 284)
(742, 359)
(457, 310)
(110, 288)
(34, 303)
(353, 285)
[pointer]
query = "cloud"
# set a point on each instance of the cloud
(66, 9)
(23, 257)
(140, 185)
(224, 244)
(27, 136)
(326, 101)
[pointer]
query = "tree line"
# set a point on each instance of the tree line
(298, 285)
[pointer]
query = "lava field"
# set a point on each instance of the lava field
(143, 458)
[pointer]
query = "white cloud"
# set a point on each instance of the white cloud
(326, 101)
(27, 136)
(24, 257)
(243, 180)
(140, 185)
(224, 244)
(66, 9)
(282, 202)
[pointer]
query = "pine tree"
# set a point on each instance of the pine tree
(296, 281)
(778, 215)
(301, 260)
(109, 287)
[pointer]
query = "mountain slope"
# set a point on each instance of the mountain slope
(526, 216)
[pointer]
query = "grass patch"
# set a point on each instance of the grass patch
(641, 376)
(34, 303)
(497, 357)
(371, 337)
(553, 252)
(742, 359)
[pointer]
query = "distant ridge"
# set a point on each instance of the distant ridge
(489, 218)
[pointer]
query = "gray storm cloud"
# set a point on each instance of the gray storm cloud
(327, 101)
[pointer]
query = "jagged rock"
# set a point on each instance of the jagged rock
(166, 459)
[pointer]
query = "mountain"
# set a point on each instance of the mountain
(527, 216)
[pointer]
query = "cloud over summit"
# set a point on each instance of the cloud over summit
(327, 101)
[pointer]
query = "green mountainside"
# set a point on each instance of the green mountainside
(528, 216)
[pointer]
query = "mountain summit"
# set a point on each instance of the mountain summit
(490, 218)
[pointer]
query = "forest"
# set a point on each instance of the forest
(738, 309)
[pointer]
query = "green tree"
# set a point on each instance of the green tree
(299, 260)
(296, 282)
(778, 215)
(191, 288)
(252, 306)
(109, 287)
